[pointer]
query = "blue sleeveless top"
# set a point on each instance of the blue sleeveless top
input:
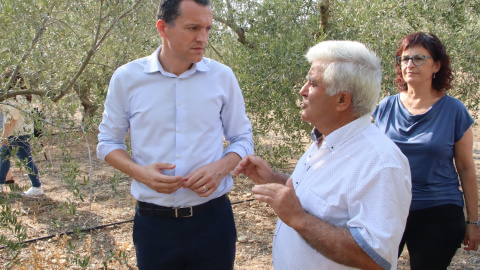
(427, 140)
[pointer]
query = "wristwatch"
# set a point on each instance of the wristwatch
(477, 223)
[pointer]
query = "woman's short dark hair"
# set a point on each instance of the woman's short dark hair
(444, 77)
(168, 10)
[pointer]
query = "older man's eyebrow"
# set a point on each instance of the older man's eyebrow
(309, 78)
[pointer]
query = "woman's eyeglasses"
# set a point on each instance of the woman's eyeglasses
(417, 59)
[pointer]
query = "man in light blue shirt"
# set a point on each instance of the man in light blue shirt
(178, 107)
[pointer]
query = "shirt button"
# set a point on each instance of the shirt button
(179, 156)
(179, 103)
(179, 130)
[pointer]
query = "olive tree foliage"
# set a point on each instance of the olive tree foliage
(265, 42)
(381, 25)
(63, 49)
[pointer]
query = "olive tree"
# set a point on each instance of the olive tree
(52, 45)
(264, 42)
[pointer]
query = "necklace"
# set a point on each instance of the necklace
(409, 103)
(423, 104)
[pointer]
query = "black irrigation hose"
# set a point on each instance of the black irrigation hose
(70, 232)
(249, 200)
(92, 228)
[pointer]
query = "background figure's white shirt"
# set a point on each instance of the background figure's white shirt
(180, 120)
(358, 179)
(23, 122)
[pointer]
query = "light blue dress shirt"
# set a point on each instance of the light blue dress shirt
(182, 120)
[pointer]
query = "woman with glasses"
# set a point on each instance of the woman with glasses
(434, 131)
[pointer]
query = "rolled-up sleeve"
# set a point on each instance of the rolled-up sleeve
(378, 211)
(115, 122)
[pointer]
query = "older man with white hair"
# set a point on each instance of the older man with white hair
(346, 203)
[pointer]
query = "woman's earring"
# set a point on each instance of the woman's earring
(434, 75)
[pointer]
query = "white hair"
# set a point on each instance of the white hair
(349, 66)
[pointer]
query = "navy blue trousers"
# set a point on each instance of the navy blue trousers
(433, 236)
(201, 242)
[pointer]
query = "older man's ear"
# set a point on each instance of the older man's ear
(344, 99)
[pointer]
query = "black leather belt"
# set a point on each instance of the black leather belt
(153, 210)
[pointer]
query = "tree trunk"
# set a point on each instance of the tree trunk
(324, 16)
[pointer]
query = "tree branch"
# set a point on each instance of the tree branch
(127, 12)
(15, 73)
(95, 46)
(99, 25)
(232, 25)
(70, 84)
(215, 50)
(230, 22)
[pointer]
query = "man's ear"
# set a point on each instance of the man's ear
(161, 25)
(344, 99)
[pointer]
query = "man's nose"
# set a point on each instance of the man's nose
(304, 90)
(203, 36)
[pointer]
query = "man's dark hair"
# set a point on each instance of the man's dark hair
(169, 11)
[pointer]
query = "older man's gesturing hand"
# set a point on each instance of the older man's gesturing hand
(283, 200)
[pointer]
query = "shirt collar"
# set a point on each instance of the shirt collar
(345, 133)
(153, 65)
(316, 135)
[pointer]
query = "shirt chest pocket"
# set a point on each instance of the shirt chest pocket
(328, 206)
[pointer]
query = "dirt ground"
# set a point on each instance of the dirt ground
(107, 200)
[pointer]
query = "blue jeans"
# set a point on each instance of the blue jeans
(21, 146)
(203, 242)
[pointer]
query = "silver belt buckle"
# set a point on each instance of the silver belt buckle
(176, 212)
